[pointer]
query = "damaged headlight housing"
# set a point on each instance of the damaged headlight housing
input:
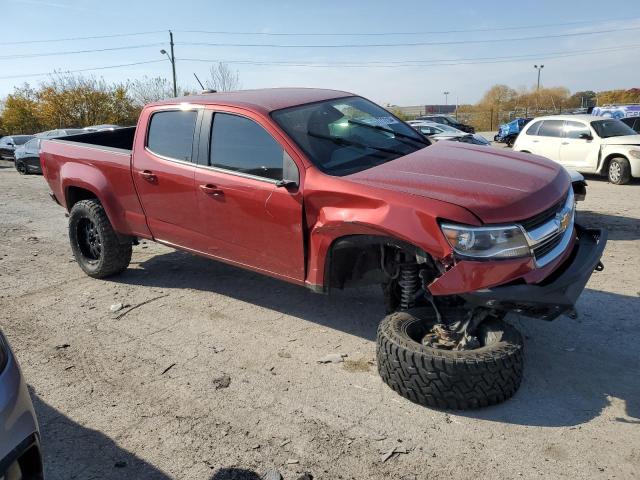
(487, 242)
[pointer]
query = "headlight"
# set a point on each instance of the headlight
(634, 153)
(487, 242)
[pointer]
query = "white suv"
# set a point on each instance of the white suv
(585, 143)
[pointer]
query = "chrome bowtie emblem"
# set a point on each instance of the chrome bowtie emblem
(562, 219)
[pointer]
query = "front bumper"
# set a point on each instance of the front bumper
(557, 293)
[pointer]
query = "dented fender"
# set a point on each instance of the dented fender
(365, 210)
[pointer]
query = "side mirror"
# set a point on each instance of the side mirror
(11, 144)
(290, 173)
(585, 136)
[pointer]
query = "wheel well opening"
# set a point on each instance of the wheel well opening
(357, 260)
(75, 194)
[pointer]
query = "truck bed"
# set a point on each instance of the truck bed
(96, 165)
(118, 139)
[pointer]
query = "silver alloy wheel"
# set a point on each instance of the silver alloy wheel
(615, 172)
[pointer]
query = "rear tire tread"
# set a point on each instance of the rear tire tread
(115, 257)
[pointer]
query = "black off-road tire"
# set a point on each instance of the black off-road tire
(448, 379)
(619, 171)
(114, 256)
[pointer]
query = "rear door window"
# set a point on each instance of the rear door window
(241, 145)
(575, 129)
(551, 128)
(533, 129)
(171, 134)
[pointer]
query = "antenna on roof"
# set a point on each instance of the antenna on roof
(201, 85)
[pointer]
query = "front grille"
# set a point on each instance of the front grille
(541, 250)
(543, 217)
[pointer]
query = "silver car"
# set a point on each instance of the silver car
(20, 457)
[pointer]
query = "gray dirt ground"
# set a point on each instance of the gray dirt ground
(140, 394)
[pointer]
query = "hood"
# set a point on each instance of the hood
(623, 140)
(498, 186)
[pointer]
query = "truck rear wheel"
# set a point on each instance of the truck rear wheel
(449, 379)
(94, 243)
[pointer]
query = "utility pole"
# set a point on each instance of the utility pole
(172, 59)
(539, 68)
(173, 65)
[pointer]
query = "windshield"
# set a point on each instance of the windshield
(612, 128)
(348, 135)
(21, 139)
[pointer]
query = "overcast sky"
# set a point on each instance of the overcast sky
(469, 38)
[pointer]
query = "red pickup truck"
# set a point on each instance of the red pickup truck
(326, 189)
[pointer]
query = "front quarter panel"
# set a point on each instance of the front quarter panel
(335, 208)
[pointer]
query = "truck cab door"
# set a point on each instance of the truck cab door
(578, 149)
(250, 216)
(163, 173)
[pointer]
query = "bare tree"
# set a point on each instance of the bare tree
(222, 78)
(147, 90)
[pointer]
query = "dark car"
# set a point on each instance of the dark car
(445, 120)
(20, 456)
(9, 143)
(27, 157)
(633, 122)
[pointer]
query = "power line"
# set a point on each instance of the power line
(429, 32)
(372, 64)
(68, 39)
(407, 44)
(24, 75)
(318, 34)
(391, 63)
(73, 52)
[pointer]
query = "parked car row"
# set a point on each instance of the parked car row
(438, 131)
(447, 120)
(25, 149)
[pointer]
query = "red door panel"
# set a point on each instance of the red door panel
(166, 190)
(251, 222)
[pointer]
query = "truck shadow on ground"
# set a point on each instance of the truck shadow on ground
(574, 369)
(618, 227)
(354, 311)
(73, 451)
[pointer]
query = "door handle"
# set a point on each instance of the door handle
(565, 143)
(211, 190)
(148, 176)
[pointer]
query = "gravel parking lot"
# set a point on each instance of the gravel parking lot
(211, 372)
